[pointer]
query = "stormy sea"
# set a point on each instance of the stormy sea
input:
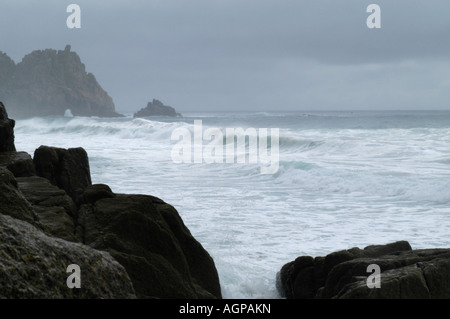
(341, 179)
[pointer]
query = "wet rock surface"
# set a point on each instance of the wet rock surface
(404, 274)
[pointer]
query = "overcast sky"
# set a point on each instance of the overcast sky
(248, 55)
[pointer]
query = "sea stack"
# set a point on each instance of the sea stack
(157, 108)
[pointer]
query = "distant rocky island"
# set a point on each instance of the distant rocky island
(49, 82)
(157, 108)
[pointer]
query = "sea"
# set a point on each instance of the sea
(343, 180)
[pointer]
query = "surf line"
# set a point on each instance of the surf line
(229, 147)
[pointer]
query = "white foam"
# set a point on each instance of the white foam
(336, 188)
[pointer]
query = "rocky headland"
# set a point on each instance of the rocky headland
(127, 246)
(49, 82)
(157, 108)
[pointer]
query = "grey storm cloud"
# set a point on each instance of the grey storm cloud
(250, 55)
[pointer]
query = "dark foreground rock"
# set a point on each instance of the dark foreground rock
(405, 274)
(13, 202)
(33, 265)
(6, 131)
(148, 237)
(127, 246)
(157, 108)
(19, 163)
(55, 210)
(68, 169)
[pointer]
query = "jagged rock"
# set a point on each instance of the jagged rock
(6, 131)
(96, 192)
(68, 169)
(13, 203)
(55, 209)
(157, 108)
(48, 82)
(150, 240)
(33, 265)
(19, 163)
(405, 273)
